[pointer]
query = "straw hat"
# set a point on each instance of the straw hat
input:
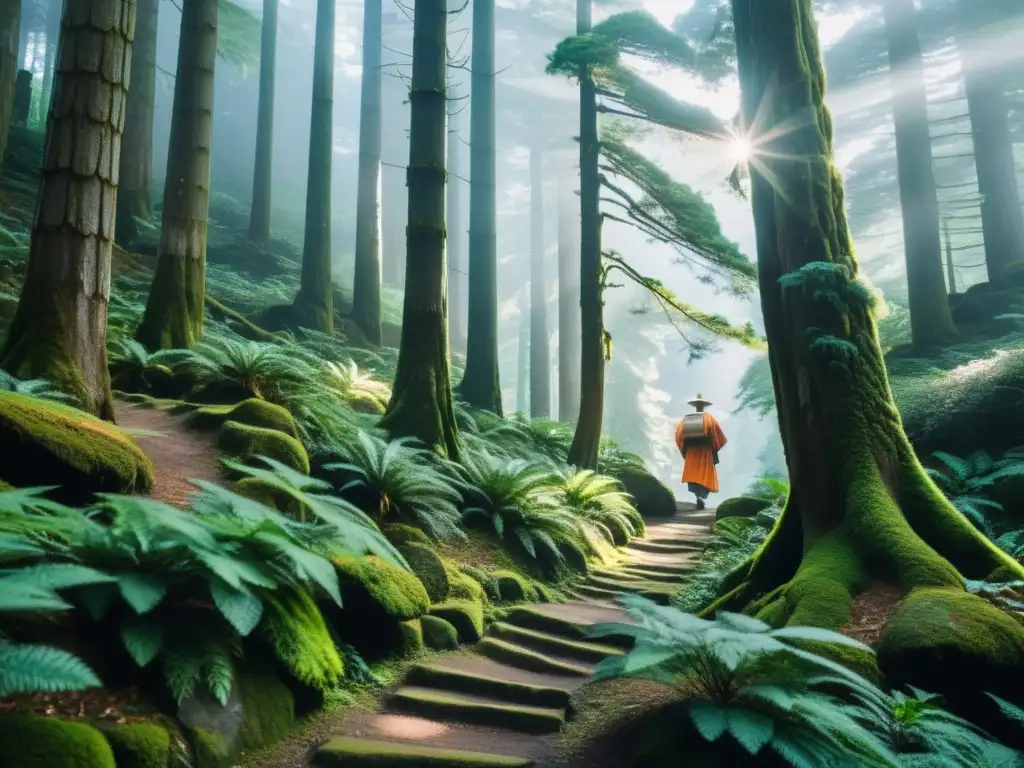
(699, 400)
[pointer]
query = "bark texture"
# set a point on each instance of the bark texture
(10, 26)
(1002, 223)
(367, 278)
(135, 178)
(540, 352)
(53, 14)
(568, 299)
(314, 304)
(586, 441)
(421, 402)
(262, 175)
(457, 311)
(861, 509)
(481, 382)
(59, 328)
(174, 311)
(931, 322)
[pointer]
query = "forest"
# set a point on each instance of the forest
(348, 353)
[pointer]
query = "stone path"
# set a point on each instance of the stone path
(500, 702)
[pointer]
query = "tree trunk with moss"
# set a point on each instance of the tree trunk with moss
(568, 300)
(10, 26)
(136, 165)
(421, 401)
(931, 322)
(174, 311)
(456, 225)
(586, 441)
(314, 305)
(481, 382)
(59, 328)
(861, 509)
(1002, 222)
(262, 175)
(366, 282)
(540, 353)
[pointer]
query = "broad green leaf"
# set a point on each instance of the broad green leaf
(40, 669)
(241, 608)
(710, 720)
(143, 638)
(751, 729)
(55, 576)
(142, 592)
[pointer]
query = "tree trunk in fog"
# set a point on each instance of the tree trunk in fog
(457, 311)
(262, 175)
(60, 326)
(421, 402)
(523, 357)
(481, 384)
(394, 194)
(540, 352)
(53, 13)
(174, 311)
(586, 440)
(136, 166)
(314, 304)
(930, 320)
(1002, 222)
(10, 27)
(366, 283)
(568, 300)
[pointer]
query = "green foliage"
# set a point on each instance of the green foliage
(603, 502)
(438, 634)
(358, 387)
(771, 489)
(47, 742)
(963, 481)
(238, 35)
(573, 53)
(132, 366)
(38, 388)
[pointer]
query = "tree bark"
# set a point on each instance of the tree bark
(421, 402)
(136, 167)
(10, 28)
(586, 440)
(367, 278)
(59, 328)
(540, 352)
(568, 300)
(931, 322)
(457, 311)
(262, 175)
(1002, 222)
(860, 509)
(53, 14)
(481, 382)
(314, 304)
(174, 311)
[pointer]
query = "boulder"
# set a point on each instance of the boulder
(244, 442)
(28, 741)
(467, 618)
(741, 506)
(439, 634)
(652, 497)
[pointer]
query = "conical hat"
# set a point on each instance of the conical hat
(699, 400)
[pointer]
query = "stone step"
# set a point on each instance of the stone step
(502, 688)
(614, 573)
(599, 592)
(577, 650)
(368, 753)
(680, 547)
(668, 568)
(659, 593)
(640, 573)
(476, 710)
(516, 655)
(572, 620)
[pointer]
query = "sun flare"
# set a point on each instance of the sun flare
(740, 149)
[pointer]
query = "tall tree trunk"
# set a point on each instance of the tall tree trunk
(53, 14)
(421, 402)
(10, 27)
(1002, 222)
(540, 352)
(861, 509)
(456, 234)
(136, 166)
(523, 357)
(586, 441)
(394, 193)
(931, 322)
(174, 312)
(59, 329)
(481, 382)
(568, 299)
(314, 304)
(262, 175)
(366, 283)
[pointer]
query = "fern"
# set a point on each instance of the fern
(357, 387)
(601, 500)
(39, 388)
(964, 480)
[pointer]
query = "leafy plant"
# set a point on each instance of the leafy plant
(358, 387)
(602, 501)
(1008, 595)
(961, 480)
(770, 488)
(131, 364)
(1012, 542)
(40, 388)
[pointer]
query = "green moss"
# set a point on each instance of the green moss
(139, 745)
(412, 636)
(51, 444)
(400, 533)
(6, 486)
(466, 616)
(398, 591)
(447, 705)
(484, 579)
(652, 497)
(209, 750)
(462, 586)
(427, 565)
(253, 412)
(357, 753)
(512, 587)
(27, 741)
(260, 490)
(863, 663)
(951, 642)
(268, 710)
(741, 506)
(438, 634)
(244, 442)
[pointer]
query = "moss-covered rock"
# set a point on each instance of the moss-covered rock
(954, 643)
(253, 412)
(462, 586)
(244, 442)
(139, 745)
(209, 749)
(412, 636)
(268, 710)
(260, 490)
(652, 497)
(400, 534)
(427, 565)
(513, 588)
(27, 741)
(741, 506)
(6, 486)
(467, 617)
(47, 443)
(438, 634)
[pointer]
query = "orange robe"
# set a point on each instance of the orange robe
(699, 461)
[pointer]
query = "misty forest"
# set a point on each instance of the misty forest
(479, 383)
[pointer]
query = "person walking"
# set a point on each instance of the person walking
(699, 438)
